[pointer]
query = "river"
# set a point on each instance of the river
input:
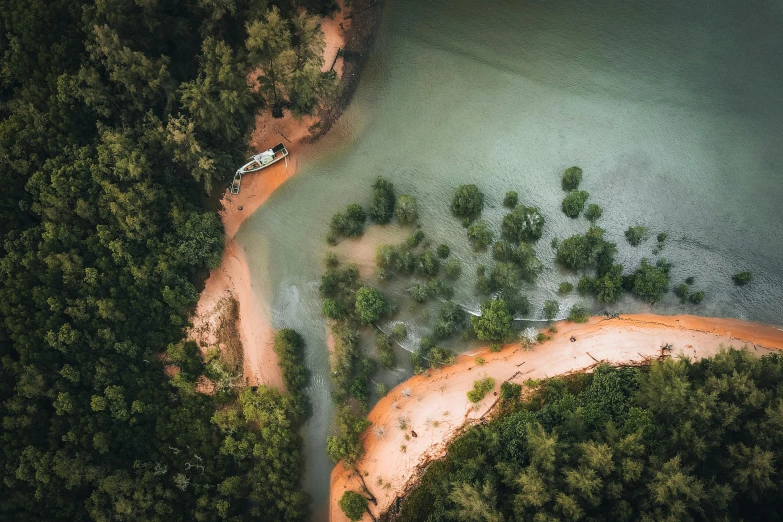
(673, 109)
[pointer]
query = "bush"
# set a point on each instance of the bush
(420, 292)
(635, 235)
(690, 280)
(505, 276)
(468, 202)
(381, 389)
(407, 210)
(494, 323)
(353, 505)
(386, 351)
(578, 314)
(495, 347)
(331, 260)
(661, 237)
(511, 199)
(682, 290)
(651, 282)
(608, 288)
(742, 278)
(574, 252)
(453, 269)
(696, 297)
(428, 264)
(289, 347)
(572, 177)
(480, 388)
(551, 308)
(565, 287)
(399, 332)
(510, 391)
(382, 206)
(451, 319)
(443, 251)
(585, 285)
(574, 203)
(370, 304)
(523, 224)
(479, 235)
(333, 309)
(414, 239)
(386, 257)
(349, 223)
(593, 212)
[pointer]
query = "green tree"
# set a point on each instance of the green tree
(353, 505)
(593, 212)
(467, 202)
(742, 278)
(578, 314)
(635, 235)
(650, 282)
(551, 309)
(480, 235)
(370, 304)
(269, 45)
(382, 207)
(572, 177)
(511, 199)
(407, 209)
(574, 252)
(523, 224)
(574, 203)
(494, 323)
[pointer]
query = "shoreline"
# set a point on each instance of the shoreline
(436, 406)
(232, 278)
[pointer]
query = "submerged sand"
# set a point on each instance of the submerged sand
(437, 409)
(232, 277)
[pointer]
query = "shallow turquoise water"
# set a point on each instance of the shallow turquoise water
(673, 109)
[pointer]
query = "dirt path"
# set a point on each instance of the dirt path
(436, 407)
(232, 277)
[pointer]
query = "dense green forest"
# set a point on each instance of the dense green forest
(677, 441)
(117, 119)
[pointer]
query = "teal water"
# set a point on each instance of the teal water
(673, 109)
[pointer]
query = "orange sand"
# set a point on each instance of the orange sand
(232, 277)
(441, 397)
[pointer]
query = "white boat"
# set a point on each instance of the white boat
(258, 162)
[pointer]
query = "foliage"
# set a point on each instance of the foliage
(574, 252)
(443, 251)
(511, 199)
(682, 291)
(289, 347)
(574, 203)
(353, 505)
(523, 224)
(510, 391)
(451, 319)
(119, 119)
(635, 235)
(742, 278)
(565, 287)
(382, 206)
(651, 282)
(578, 314)
(480, 388)
(661, 237)
(494, 323)
(572, 177)
(399, 332)
(289, 55)
(347, 444)
(696, 297)
(480, 235)
(608, 288)
(407, 209)
(467, 202)
(453, 269)
(387, 355)
(370, 305)
(551, 309)
(593, 212)
(623, 444)
(349, 223)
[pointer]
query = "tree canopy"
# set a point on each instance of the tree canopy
(467, 202)
(621, 444)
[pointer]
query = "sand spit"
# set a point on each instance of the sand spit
(436, 407)
(232, 277)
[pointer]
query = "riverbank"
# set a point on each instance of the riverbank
(436, 407)
(232, 277)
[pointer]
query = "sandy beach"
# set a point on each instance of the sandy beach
(437, 409)
(232, 277)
